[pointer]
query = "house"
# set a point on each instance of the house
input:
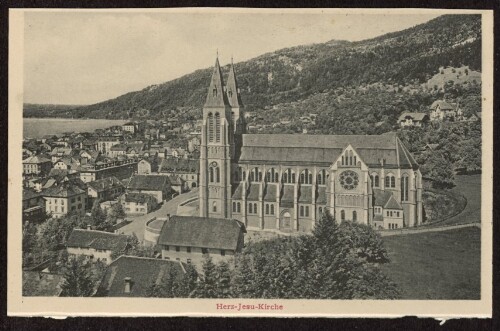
(138, 203)
(61, 152)
(147, 166)
(37, 164)
(155, 185)
(107, 168)
(132, 276)
(189, 238)
(188, 170)
(194, 144)
(408, 119)
(178, 184)
(104, 189)
(104, 144)
(388, 213)
(129, 127)
(42, 284)
(441, 110)
(118, 149)
(95, 245)
(65, 198)
(48, 137)
(33, 206)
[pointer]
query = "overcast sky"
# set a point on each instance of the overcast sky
(88, 57)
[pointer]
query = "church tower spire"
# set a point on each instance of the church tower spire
(216, 96)
(216, 150)
(233, 92)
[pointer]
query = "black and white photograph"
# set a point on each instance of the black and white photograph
(250, 162)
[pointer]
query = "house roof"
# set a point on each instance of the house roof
(380, 197)
(270, 194)
(217, 233)
(293, 149)
(216, 96)
(119, 148)
(97, 240)
(139, 198)
(287, 198)
(179, 165)
(149, 183)
(253, 192)
(30, 194)
(443, 105)
(414, 116)
(238, 190)
(392, 204)
(62, 191)
(142, 271)
(36, 159)
(175, 180)
(42, 284)
(305, 194)
(105, 184)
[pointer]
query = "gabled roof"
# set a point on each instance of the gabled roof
(216, 96)
(380, 198)
(97, 240)
(30, 194)
(40, 284)
(216, 233)
(105, 184)
(139, 198)
(323, 150)
(443, 105)
(142, 271)
(238, 192)
(36, 159)
(62, 191)
(179, 165)
(414, 116)
(149, 182)
(393, 204)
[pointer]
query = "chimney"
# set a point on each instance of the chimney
(128, 282)
(89, 227)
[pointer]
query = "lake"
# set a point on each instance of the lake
(38, 127)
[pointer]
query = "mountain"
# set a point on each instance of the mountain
(396, 62)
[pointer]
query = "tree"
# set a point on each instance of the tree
(223, 280)
(115, 212)
(77, 279)
(207, 286)
(243, 279)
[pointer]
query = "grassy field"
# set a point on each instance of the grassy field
(436, 265)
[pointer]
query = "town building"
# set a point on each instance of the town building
(187, 170)
(64, 198)
(147, 166)
(284, 182)
(42, 284)
(104, 189)
(120, 169)
(155, 185)
(441, 110)
(38, 165)
(129, 127)
(95, 245)
(104, 144)
(413, 119)
(33, 206)
(132, 276)
(188, 238)
(138, 203)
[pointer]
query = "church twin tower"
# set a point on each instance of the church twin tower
(223, 126)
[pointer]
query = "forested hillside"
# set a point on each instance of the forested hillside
(397, 64)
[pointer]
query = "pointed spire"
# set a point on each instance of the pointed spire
(233, 93)
(216, 96)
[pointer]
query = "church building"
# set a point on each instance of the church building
(283, 182)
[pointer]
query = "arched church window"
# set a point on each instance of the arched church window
(301, 210)
(217, 127)
(250, 209)
(210, 125)
(272, 209)
(342, 215)
(211, 174)
(354, 216)
(234, 207)
(355, 160)
(276, 179)
(238, 207)
(214, 207)
(214, 91)
(404, 188)
(393, 181)
(387, 181)
(267, 209)
(217, 172)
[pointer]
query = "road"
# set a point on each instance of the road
(138, 223)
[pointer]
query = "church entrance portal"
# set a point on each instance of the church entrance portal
(285, 221)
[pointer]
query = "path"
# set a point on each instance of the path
(428, 229)
(138, 223)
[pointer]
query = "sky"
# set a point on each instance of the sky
(84, 57)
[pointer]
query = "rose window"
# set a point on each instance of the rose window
(349, 180)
